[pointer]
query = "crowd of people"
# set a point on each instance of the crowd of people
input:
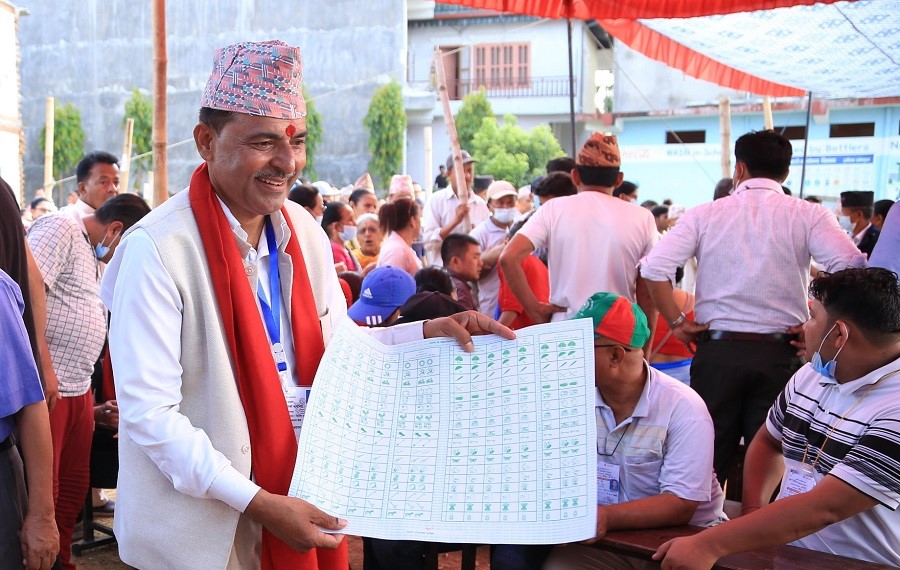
(192, 332)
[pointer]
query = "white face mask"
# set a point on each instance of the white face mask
(845, 222)
(505, 215)
(348, 233)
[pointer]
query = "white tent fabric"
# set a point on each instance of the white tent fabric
(845, 49)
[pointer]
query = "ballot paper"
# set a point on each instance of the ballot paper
(425, 441)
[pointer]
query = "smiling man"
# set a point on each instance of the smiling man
(222, 301)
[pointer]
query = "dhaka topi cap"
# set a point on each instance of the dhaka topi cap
(384, 290)
(466, 159)
(600, 150)
(257, 78)
(364, 182)
(401, 184)
(616, 318)
(857, 199)
(499, 189)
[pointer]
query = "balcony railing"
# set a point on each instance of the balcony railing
(533, 87)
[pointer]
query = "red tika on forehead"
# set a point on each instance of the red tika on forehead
(290, 130)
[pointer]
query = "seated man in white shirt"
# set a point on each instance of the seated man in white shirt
(654, 443)
(831, 438)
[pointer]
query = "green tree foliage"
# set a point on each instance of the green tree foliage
(139, 108)
(313, 137)
(386, 123)
(474, 109)
(68, 140)
(508, 152)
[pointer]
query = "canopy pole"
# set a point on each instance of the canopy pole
(571, 90)
(462, 189)
(725, 130)
(768, 122)
(49, 126)
(805, 141)
(160, 63)
(125, 161)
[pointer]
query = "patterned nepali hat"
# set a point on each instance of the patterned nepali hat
(364, 182)
(616, 319)
(600, 150)
(257, 78)
(401, 184)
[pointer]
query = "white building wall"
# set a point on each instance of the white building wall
(644, 84)
(10, 126)
(549, 58)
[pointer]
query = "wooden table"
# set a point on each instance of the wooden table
(643, 543)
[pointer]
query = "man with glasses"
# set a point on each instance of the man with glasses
(654, 443)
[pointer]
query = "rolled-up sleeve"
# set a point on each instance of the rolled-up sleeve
(673, 250)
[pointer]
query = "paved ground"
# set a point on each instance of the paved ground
(107, 557)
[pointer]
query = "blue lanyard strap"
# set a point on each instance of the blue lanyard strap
(272, 313)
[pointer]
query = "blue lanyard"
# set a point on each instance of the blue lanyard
(272, 314)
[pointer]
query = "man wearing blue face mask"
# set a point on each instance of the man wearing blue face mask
(831, 438)
(69, 259)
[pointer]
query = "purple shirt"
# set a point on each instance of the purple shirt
(21, 386)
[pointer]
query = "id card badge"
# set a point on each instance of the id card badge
(607, 483)
(296, 398)
(799, 480)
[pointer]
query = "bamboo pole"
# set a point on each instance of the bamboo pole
(49, 126)
(462, 189)
(125, 162)
(767, 113)
(725, 129)
(428, 143)
(160, 61)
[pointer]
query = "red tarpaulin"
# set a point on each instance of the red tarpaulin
(620, 19)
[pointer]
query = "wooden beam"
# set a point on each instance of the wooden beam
(125, 161)
(462, 189)
(49, 122)
(725, 129)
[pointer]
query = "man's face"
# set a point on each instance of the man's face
(526, 204)
(365, 205)
(468, 266)
(468, 174)
(102, 184)
(253, 161)
(368, 234)
(662, 223)
(503, 203)
(815, 329)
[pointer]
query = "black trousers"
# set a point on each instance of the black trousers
(739, 381)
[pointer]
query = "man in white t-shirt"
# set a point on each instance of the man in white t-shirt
(492, 237)
(831, 438)
(594, 241)
(446, 214)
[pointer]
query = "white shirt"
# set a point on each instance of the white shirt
(859, 236)
(78, 210)
(488, 235)
(753, 251)
(440, 210)
(397, 253)
(863, 451)
(149, 391)
(666, 446)
(594, 243)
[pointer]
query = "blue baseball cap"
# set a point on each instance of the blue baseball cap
(383, 291)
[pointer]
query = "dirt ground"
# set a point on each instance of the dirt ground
(107, 557)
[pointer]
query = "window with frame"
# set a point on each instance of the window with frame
(502, 66)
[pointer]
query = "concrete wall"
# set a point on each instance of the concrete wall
(10, 124)
(92, 53)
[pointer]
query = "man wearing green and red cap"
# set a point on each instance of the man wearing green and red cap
(654, 440)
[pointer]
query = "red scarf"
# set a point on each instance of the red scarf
(271, 433)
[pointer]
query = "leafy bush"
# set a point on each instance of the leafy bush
(313, 136)
(68, 140)
(386, 123)
(474, 109)
(508, 152)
